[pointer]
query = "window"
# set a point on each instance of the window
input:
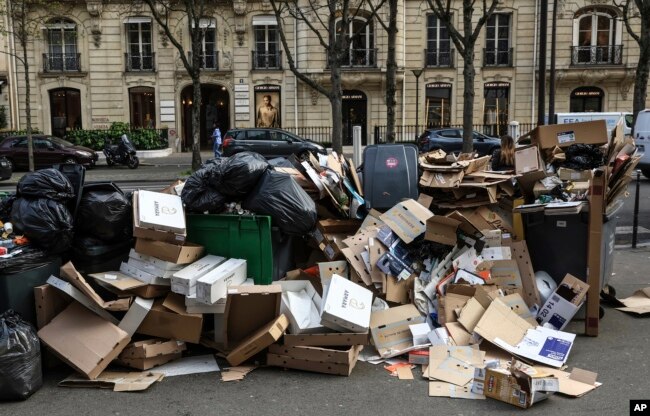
(497, 41)
(450, 134)
(586, 99)
(596, 37)
(65, 110)
(362, 50)
(267, 49)
(256, 135)
(142, 105)
(140, 56)
(209, 54)
(438, 108)
(61, 46)
(438, 52)
(495, 108)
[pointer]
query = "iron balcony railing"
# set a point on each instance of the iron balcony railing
(267, 60)
(209, 61)
(436, 58)
(498, 57)
(61, 62)
(138, 62)
(597, 55)
(359, 58)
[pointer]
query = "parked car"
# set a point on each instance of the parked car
(451, 141)
(48, 151)
(269, 143)
(5, 168)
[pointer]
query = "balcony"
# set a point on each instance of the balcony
(136, 62)
(267, 60)
(597, 55)
(359, 58)
(498, 57)
(209, 62)
(434, 58)
(61, 62)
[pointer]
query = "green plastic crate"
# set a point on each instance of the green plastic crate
(236, 236)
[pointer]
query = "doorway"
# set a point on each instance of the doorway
(65, 110)
(355, 104)
(215, 107)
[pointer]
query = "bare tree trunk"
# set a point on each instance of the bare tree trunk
(28, 106)
(196, 121)
(468, 104)
(391, 68)
(336, 100)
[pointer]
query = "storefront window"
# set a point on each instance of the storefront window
(438, 105)
(495, 108)
(586, 99)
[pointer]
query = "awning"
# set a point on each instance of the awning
(264, 20)
(137, 20)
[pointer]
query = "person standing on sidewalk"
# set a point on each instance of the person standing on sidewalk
(216, 137)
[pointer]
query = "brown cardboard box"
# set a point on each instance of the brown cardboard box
(528, 159)
(319, 360)
(564, 135)
(148, 363)
(333, 226)
(175, 253)
(575, 175)
(259, 340)
(407, 219)
(327, 340)
(594, 244)
(143, 355)
(124, 286)
(390, 329)
(442, 230)
(84, 340)
(141, 231)
(168, 319)
(519, 388)
(249, 308)
(431, 179)
(49, 303)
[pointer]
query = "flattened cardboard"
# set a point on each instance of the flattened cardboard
(638, 303)
(84, 340)
(458, 334)
(594, 245)
(399, 291)
(148, 363)
(453, 364)
(329, 269)
(528, 159)
(71, 275)
(505, 273)
(432, 179)
(346, 306)
(442, 230)
(179, 254)
(49, 303)
(471, 314)
(118, 381)
(307, 365)
(407, 219)
(335, 226)
(327, 340)
(75, 294)
(258, 341)
(519, 252)
(248, 308)
(564, 135)
(390, 329)
(168, 319)
(442, 389)
(123, 285)
(576, 383)
(375, 251)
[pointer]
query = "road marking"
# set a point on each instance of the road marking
(627, 229)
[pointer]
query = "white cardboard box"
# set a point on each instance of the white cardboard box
(214, 285)
(193, 305)
(136, 314)
(161, 211)
(150, 268)
(143, 276)
(346, 306)
(160, 264)
(184, 280)
(420, 333)
(302, 305)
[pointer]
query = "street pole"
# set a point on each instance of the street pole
(551, 87)
(635, 223)
(541, 72)
(417, 73)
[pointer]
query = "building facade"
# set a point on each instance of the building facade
(105, 62)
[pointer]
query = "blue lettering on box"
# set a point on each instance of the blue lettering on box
(555, 348)
(557, 321)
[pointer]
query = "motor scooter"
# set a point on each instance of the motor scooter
(122, 153)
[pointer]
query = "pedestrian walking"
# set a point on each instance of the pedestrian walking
(216, 137)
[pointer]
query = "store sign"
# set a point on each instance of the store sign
(497, 85)
(266, 88)
(588, 94)
(439, 85)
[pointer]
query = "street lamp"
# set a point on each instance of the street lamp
(417, 73)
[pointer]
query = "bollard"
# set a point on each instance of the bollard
(635, 225)
(356, 143)
(513, 130)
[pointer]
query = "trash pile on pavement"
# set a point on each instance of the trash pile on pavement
(332, 266)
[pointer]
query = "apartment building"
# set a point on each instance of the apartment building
(106, 61)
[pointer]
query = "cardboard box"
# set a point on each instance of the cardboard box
(332, 245)
(302, 306)
(390, 329)
(346, 306)
(183, 281)
(71, 275)
(180, 254)
(153, 227)
(136, 314)
(115, 380)
(147, 354)
(333, 339)
(442, 230)
(431, 179)
(151, 268)
(564, 135)
(572, 175)
(407, 219)
(145, 277)
(214, 285)
(334, 226)
(124, 285)
(258, 341)
(156, 263)
(49, 303)
(148, 363)
(519, 388)
(168, 319)
(315, 359)
(528, 159)
(563, 304)
(75, 294)
(248, 308)
(84, 340)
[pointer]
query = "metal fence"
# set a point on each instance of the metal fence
(410, 133)
(321, 134)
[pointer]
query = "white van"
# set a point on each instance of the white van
(610, 118)
(642, 140)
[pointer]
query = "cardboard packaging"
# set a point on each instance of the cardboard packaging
(168, 319)
(258, 341)
(170, 228)
(431, 179)
(49, 303)
(84, 340)
(136, 314)
(302, 306)
(156, 264)
(124, 285)
(174, 253)
(115, 380)
(214, 285)
(319, 360)
(183, 281)
(346, 306)
(563, 304)
(572, 175)
(407, 219)
(76, 294)
(151, 268)
(248, 308)
(519, 388)
(390, 329)
(145, 277)
(442, 230)
(333, 339)
(564, 135)
(528, 159)
(143, 355)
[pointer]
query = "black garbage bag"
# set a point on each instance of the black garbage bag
(20, 358)
(5, 207)
(199, 196)
(240, 173)
(28, 257)
(583, 157)
(45, 222)
(278, 195)
(105, 213)
(46, 183)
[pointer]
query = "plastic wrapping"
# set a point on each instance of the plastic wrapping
(26, 258)
(198, 195)
(583, 156)
(20, 358)
(240, 173)
(105, 213)
(46, 183)
(278, 195)
(47, 223)
(5, 206)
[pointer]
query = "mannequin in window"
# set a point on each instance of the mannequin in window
(148, 121)
(267, 114)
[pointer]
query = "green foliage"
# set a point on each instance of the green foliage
(142, 139)
(3, 117)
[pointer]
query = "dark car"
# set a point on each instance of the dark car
(48, 151)
(269, 143)
(451, 141)
(5, 168)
